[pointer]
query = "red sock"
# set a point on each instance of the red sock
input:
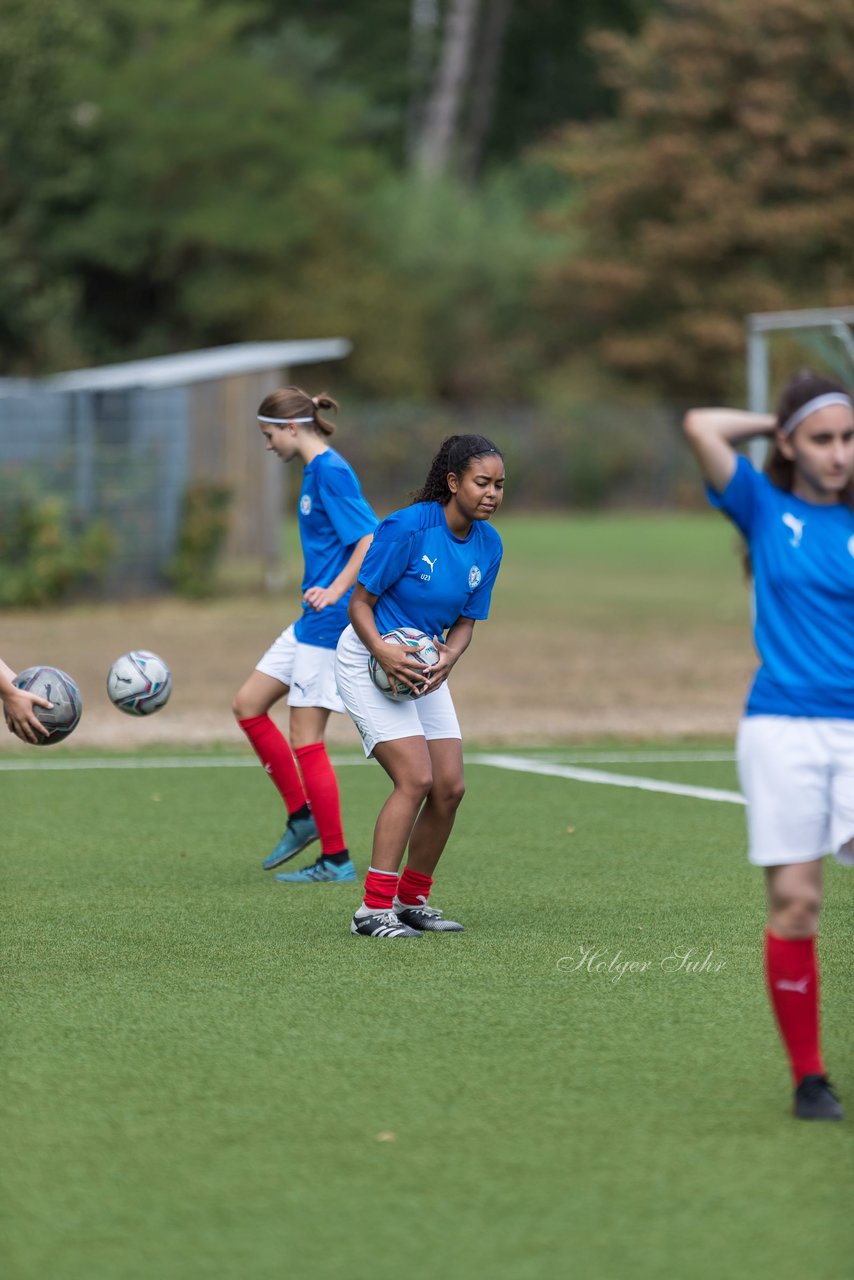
(414, 888)
(321, 787)
(379, 889)
(791, 970)
(277, 758)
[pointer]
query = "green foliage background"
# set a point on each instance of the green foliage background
(182, 173)
(45, 551)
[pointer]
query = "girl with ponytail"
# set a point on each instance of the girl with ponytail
(796, 739)
(431, 567)
(336, 525)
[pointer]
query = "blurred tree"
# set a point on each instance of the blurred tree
(423, 37)
(438, 134)
(436, 307)
(167, 169)
(176, 173)
(44, 171)
(485, 80)
(725, 184)
(529, 68)
(549, 74)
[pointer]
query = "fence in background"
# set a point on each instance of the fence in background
(127, 455)
(590, 456)
(123, 444)
(123, 453)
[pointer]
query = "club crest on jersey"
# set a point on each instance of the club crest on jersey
(475, 576)
(305, 504)
(796, 528)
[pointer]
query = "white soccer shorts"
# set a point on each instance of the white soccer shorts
(797, 775)
(307, 670)
(381, 719)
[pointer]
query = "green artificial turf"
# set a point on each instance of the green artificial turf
(614, 569)
(206, 1075)
(620, 570)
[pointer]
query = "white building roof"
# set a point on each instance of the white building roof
(199, 366)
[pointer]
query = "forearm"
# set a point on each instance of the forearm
(348, 575)
(361, 615)
(732, 426)
(459, 637)
(7, 675)
(713, 435)
(19, 707)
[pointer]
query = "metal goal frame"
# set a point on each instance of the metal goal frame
(820, 322)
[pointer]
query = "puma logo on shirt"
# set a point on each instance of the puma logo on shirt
(796, 526)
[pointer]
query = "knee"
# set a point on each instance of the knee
(453, 794)
(240, 707)
(417, 784)
(247, 707)
(449, 796)
(795, 914)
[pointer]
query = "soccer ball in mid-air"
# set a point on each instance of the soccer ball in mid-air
(428, 657)
(59, 689)
(139, 683)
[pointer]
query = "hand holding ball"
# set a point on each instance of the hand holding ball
(427, 656)
(63, 716)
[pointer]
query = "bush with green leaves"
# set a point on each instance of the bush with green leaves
(46, 554)
(201, 539)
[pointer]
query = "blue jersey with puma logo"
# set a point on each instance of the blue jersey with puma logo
(425, 576)
(802, 558)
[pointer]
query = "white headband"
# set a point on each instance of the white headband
(281, 422)
(813, 406)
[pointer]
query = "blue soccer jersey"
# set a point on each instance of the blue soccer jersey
(333, 516)
(802, 555)
(426, 577)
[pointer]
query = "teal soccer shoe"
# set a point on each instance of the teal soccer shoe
(321, 872)
(298, 833)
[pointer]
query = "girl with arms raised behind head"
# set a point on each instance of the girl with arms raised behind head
(796, 740)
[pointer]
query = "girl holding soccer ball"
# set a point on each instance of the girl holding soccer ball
(336, 525)
(796, 740)
(431, 567)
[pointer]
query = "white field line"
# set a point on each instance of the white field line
(518, 764)
(149, 762)
(13, 764)
(521, 764)
(638, 757)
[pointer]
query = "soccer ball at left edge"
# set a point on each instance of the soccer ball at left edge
(139, 683)
(59, 688)
(428, 656)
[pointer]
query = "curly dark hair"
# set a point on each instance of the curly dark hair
(455, 456)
